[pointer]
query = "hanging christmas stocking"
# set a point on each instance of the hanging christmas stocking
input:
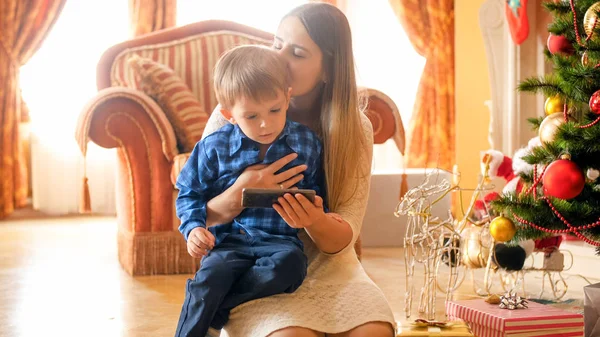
(516, 16)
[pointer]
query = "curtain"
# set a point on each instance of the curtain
(429, 25)
(24, 24)
(147, 16)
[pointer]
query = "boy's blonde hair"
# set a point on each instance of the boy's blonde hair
(251, 71)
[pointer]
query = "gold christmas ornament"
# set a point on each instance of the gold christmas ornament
(554, 104)
(585, 60)
(475, 247)
(549, 126)
(502, 229)
(590, 20)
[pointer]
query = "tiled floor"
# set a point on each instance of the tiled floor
(60, 277)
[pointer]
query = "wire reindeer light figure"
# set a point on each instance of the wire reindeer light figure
(424, 240)
(433, 242)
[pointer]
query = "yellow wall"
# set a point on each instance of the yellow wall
(472, 89)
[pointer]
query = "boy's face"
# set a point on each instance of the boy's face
(260, 121)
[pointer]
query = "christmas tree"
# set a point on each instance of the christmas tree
(562, 194)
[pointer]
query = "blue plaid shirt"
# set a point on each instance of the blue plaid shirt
(218, 160)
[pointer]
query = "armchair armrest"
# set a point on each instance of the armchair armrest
(133, 123)
(133, 108)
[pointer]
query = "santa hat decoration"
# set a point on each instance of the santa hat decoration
(513, 186)
(491, 197)
(500, 165)
(520, 166)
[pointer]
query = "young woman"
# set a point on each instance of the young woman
(337, 297)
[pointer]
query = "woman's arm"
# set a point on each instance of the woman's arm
(342, 235)
(224, 207)
(333, 233)
(330, 235)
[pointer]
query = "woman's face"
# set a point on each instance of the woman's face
(304, 58)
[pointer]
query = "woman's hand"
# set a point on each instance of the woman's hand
(298, 212)
(226, 206)
(263, 176)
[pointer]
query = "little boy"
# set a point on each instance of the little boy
(257, 254)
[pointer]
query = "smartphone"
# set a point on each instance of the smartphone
(266, 197)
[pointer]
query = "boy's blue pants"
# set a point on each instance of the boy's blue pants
(241, 268)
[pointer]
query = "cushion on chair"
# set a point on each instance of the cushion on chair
(192, 58)
(177, 101)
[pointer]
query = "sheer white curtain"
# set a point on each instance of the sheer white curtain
(56, 84)
(385, 61)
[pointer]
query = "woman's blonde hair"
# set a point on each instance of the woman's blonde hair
(341, 122)
(251, 71)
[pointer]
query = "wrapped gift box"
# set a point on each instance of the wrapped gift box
(591, 310)
(456, 329)
(489, 320)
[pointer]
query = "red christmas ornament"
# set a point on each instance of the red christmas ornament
(595, 102)
(563, 179)
(516, 16)
(558, 44)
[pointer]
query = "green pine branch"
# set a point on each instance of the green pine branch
(535, 122)
(574, 83)
(583, 145)
(557, 9)
(549, 85)
(576, 212)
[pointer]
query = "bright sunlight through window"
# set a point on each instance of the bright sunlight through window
(261, 14)
(385, 61)
(61, 77)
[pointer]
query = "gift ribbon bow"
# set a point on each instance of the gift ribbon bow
(437, 328)
(511, 301)
(434, 328)
(423, 323)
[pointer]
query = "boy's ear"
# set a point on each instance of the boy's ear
(289, 93)
(227, 114)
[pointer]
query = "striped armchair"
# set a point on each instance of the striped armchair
(123, 116)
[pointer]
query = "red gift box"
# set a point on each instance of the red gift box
(489, 320)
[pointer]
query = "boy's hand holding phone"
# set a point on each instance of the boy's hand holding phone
(199, 242)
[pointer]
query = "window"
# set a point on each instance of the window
(385, 61)
(56, 84)
(61, 77)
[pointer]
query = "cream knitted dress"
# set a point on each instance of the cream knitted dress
(336, 295)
